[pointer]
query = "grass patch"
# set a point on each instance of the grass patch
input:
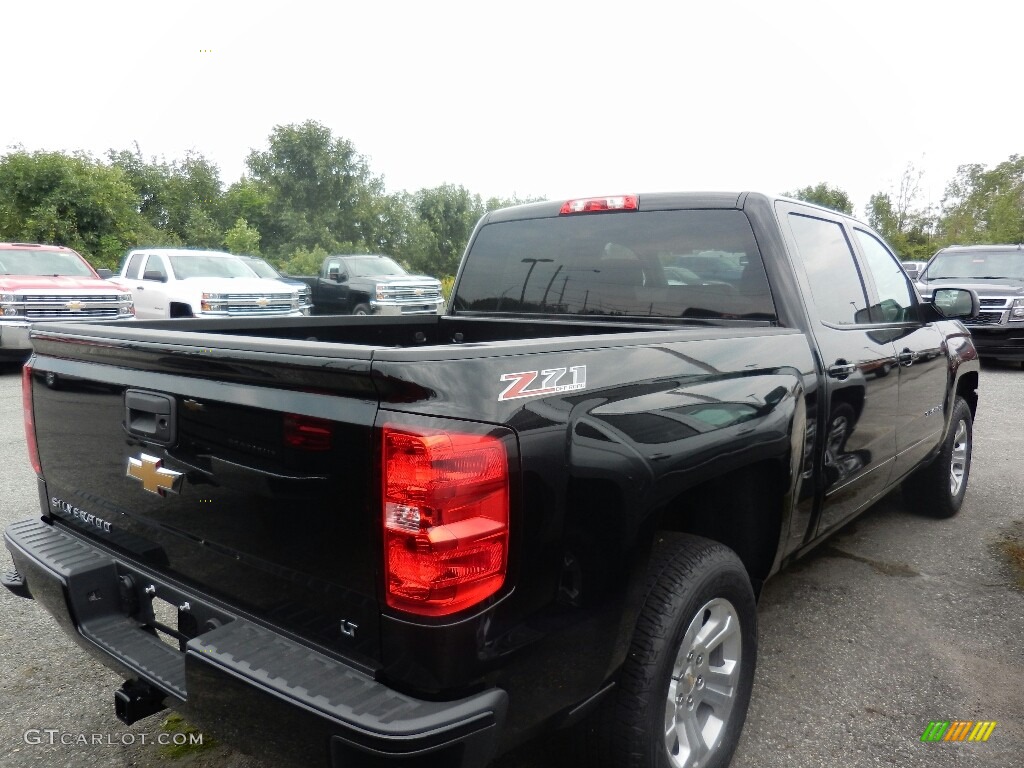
(194, 740)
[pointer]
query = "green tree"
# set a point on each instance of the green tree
(71, 200)
(180, 201)
(245, 199)
(983, 205)
(824, 195)
(898, 217)
(304, 262)
(449, 213)
(318, 189)
(242, 238)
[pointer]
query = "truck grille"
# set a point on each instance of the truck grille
(995, 303)
(985, 318)
(43, 307)
(260, 303)
(409, 293)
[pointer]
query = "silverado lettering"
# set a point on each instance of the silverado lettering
(573, 553)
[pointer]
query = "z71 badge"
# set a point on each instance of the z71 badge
(523, 383)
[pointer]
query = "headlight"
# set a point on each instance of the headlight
(304, 295)
(1017, 310)
(214, 302)
(9, 305)
(126, 306)
(379, 290)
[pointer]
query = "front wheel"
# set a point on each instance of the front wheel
(938, 489)
(685, 686)
(361, 309)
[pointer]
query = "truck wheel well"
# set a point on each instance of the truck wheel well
(741, 509)
(180, 309)
(967, 388)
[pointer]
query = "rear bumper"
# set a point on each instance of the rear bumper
(249, 685)
(1005, 343)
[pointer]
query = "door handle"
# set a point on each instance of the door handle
(907, 357)
(841, 369)
(140, 287)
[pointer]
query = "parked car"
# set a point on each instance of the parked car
(362, 284)
(419, 541)
(51, 282)
(184, 282)
(996, 274)
(913, 268)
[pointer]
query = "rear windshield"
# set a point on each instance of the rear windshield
(661, 264)
(41, 263)
(977, 265)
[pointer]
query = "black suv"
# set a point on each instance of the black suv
(996, 274)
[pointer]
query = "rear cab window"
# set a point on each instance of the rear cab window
(687, 264)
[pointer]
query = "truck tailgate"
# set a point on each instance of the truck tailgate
(210, 483)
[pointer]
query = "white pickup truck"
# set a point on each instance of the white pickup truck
(184, 282)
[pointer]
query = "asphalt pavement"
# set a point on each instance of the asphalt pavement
(895, 622)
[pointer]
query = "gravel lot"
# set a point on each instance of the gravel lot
(896, 621)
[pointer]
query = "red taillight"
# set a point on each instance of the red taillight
(307, 433)
(591, 204)
(30, 424)
(446, 512)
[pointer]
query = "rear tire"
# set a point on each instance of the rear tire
(938, 489)
(683, 692)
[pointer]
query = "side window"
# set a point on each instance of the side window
(836, 286)
(155, 269)
(133, 266)
(895, 299)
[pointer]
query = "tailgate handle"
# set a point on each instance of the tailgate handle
(149, 415)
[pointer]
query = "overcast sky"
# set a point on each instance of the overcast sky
(552, 99)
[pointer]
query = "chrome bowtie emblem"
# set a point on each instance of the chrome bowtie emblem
(75, 306)
(154, 478)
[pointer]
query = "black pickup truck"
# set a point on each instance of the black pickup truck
(996, 274)
(372, 285)
(421, 541)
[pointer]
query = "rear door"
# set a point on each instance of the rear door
(858, 430)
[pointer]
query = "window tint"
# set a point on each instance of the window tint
(895, 299)
(134, 264)
(374, 266)
(15, 261)
(155, 269)
(663, 264)
(837, 290)
(976, 263)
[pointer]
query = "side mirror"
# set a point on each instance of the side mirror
(956, 303)
(105, 273)
(160, 277)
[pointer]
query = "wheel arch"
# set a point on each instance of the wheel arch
(180, 309)
(742, 509)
